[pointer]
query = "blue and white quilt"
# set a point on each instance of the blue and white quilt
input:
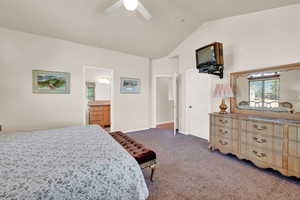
(77, 163)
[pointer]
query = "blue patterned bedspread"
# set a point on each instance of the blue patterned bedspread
(77, 163)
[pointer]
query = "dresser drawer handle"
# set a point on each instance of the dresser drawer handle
(259, 128)
(223, 142)
(223, 132)
(261, 141)
(223, 121)
(259, 155)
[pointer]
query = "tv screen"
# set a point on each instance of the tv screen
(210, 55)
(210, 59)
(206, 55)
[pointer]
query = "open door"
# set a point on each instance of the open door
(174, 84)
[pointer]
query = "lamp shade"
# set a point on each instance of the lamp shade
(223, 91)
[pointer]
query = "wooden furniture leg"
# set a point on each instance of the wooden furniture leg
(211, 148)
(152, 172)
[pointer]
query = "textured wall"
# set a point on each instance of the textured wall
(22, 110)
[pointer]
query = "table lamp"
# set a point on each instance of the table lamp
(223, 91)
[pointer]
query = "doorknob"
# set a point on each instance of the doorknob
(190, 107)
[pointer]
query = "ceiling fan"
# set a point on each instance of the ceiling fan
(130, 5)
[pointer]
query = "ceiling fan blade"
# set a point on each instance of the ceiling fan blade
(144, 11)
(115, 6)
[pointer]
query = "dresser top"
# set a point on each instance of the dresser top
(257, 118)
(99, 103)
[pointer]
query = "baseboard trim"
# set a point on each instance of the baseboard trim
(165, 122)
(135, 130)
(182, 132)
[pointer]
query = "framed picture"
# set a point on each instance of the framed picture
(130, 86)
(49, 82)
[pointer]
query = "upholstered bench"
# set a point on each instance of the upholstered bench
(145, 157)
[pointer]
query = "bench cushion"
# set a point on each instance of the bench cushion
(138, 151)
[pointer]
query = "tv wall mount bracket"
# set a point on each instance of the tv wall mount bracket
(214, 70)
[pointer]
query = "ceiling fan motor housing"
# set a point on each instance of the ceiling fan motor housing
(130, 5)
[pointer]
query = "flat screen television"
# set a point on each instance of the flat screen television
(210, 59)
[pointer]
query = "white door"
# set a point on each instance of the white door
(198, 105)
(174, 83)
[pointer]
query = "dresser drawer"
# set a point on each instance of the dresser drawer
(262, 141)
(259, 127)
(268, 157)
(223, 121)
(96, 108)
(294, 149)
(223, 143)
(223, 132)
(294, 133)
(97, 113)
(259, 154)
(106, 108)
(294, 164)
(99, 122)
(98, 116)
(226, 132)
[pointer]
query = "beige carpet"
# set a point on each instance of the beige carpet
(187, 170)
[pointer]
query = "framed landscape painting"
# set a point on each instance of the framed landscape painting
(49, 82)
(130, 86)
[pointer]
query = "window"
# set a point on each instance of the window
(264, 91)
(90, 91)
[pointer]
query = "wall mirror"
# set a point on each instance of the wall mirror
(270, 92)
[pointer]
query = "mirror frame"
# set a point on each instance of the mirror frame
(233, 102)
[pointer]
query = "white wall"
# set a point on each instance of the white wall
(20, 53)
(251, 41)
(164, 107)
(165, 66)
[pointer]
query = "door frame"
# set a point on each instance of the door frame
(154, 96)
(112, 101)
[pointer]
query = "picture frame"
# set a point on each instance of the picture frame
(50, 82)
(130, 86)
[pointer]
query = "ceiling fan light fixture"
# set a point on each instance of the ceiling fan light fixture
(130, 5)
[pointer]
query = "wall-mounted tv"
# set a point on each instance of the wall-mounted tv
(210, 59)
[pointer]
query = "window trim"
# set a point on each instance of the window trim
(265, 77)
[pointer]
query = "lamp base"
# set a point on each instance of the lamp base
(223, 107)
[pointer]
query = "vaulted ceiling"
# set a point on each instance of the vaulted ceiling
(83, 21)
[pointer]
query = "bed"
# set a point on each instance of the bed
(70, 163)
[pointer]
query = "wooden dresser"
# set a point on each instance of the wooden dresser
(99, 113)
(267, 142)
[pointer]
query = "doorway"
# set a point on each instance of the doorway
(165, 102)
(98, 97)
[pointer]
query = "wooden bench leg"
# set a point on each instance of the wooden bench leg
(152, 172)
